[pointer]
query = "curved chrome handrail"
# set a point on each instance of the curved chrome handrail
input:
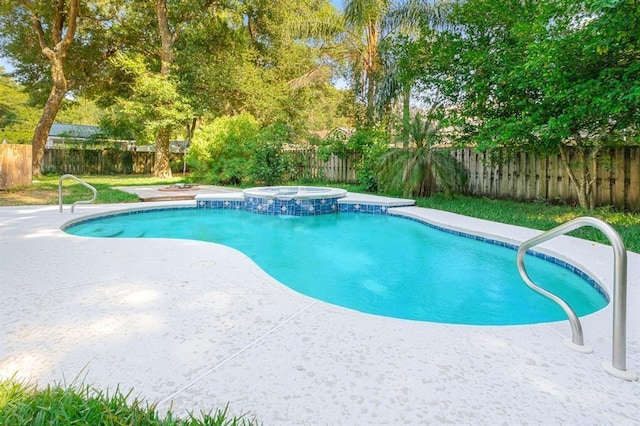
(618, 359)
(73, 206)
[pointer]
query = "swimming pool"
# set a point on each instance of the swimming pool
(378, 264)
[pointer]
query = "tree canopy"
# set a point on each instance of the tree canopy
(543, 76)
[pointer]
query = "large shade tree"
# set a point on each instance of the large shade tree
(57, 47)
(545, 77)
(214, 59)
(143, 86)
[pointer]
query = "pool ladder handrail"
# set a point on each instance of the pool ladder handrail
(618, 359)
(73, 206)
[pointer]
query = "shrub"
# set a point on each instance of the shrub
(364, 147)
(221, 151)
(270, 163)
(416, 169)
(371, 144)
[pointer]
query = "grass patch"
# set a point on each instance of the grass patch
(539, 215)
(44, 190)
(22, 404)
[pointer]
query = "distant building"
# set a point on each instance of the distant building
(66, 135)
(61, 135)
(174, 146)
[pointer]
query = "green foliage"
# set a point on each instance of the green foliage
(98, 36)
(116, 124)
(17, 117)
(369, 146)
(230, 150)
(337, 143)
(243, 58)
(364, 147)
(539, 76)
(80, 111)
(221, 151)
(270, 163)
(415, 170)
(22, 404)
(153, 99)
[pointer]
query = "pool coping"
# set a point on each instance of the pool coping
(337, 365)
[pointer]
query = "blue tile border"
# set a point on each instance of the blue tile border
(363, 208)
(315, 207)
(276, 206)
(221, 204)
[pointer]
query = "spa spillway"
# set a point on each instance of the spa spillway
(292, 200)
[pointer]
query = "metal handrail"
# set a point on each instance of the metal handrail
(618, 359)
(73, 206)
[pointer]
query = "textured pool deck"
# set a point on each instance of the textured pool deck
(193, 326)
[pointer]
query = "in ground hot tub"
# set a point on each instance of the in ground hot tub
(292, 200)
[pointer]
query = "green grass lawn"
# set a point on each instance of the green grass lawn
(45, 190)
(542, 216)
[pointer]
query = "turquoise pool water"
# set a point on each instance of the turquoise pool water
(378, 264)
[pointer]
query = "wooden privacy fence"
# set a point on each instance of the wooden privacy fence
(308, 166)
(105, 161)
(15, 165)
(528, 177)
(525, 176)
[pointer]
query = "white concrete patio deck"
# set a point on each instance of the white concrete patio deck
(193, 326)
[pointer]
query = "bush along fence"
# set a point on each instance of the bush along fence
(306, 164)
(528, 177)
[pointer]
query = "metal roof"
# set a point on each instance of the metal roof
(79, 131)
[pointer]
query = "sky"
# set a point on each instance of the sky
(4, 64)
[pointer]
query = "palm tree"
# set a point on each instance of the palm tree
(364, 22)
(414, 170)
(404, 59)
(357, 36)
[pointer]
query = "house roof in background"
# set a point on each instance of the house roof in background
(73, 130)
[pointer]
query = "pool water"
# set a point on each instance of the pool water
(377, 264)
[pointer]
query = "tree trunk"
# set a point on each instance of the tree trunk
(583, 182)
(162, 167)
(62, 40)
(406, 114)
(371, 66)
(370, 116)
(41, 134)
